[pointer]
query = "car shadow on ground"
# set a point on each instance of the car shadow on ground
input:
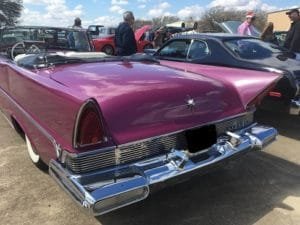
(242, 192)
(287, 125)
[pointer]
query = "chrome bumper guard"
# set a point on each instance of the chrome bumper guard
(295, 107)
(108, 189)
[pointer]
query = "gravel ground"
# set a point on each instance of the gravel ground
(261, 188)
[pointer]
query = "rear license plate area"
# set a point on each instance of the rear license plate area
(200, 139)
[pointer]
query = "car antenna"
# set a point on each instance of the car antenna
(45, 58)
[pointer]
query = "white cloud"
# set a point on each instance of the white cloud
(116, 9)
(119, 2)
(193, 11)
(164, 5)
(57, 13)
(242, 4)
(103, 20)
(34, 2)
(116, 6)
(160, 10)
(142, 6)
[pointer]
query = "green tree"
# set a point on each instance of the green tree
(10, 11)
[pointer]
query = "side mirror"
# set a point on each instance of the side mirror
(150, 51)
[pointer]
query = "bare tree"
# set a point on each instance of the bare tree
(220, 14)
(10, 11)
(138, 23)
(164, 20)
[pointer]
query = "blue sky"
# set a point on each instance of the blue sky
(108, 12)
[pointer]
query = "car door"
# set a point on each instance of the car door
(176, 50)
(198, 51)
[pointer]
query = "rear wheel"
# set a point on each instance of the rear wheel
(108, 49)
(35, 158)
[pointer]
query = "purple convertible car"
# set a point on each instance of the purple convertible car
(110, 128)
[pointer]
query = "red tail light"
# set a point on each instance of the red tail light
(89, 126)
(275, 94)
(258, 99)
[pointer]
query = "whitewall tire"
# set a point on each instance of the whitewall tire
(35, 158)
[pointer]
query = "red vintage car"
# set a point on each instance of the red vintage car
(106, 43)
(111, 128)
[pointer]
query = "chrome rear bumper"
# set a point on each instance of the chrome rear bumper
(108, 189)
(295, 107)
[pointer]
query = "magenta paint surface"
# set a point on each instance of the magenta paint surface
(247, 83)
(137, 100)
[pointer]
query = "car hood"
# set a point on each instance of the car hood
(140, 100)
(139, 32)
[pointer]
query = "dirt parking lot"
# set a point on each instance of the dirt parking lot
(261, 188)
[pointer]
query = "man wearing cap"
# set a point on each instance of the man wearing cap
(292, 41)
(124, 36)
(247, 28)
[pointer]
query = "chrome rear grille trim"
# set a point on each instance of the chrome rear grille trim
(92, 163)
(128, 153)
(95, 158)
(87, 166)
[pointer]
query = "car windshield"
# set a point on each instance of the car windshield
(50, 38)
(106, 30)
(232, 27)
(248, 48)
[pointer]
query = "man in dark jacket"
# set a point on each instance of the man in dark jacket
(292, 41)
(124, 37)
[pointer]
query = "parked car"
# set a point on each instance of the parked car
(232, 26)
(142, 38)
(94, 30)
(106, 44)
(240, 52)
(102, 32)
(110, 128)
(49, 37)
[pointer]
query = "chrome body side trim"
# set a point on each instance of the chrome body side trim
(296, 75)
(108, 189)
(295, 107)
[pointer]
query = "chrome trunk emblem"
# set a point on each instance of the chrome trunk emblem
(190, 102)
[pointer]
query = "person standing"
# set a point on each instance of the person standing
(292, 41)
(159, 37)
(77, 38)
(268, 34)
(247, 28)
(125, 42)
(77, 23)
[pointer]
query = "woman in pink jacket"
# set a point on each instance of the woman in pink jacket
(247, 28)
